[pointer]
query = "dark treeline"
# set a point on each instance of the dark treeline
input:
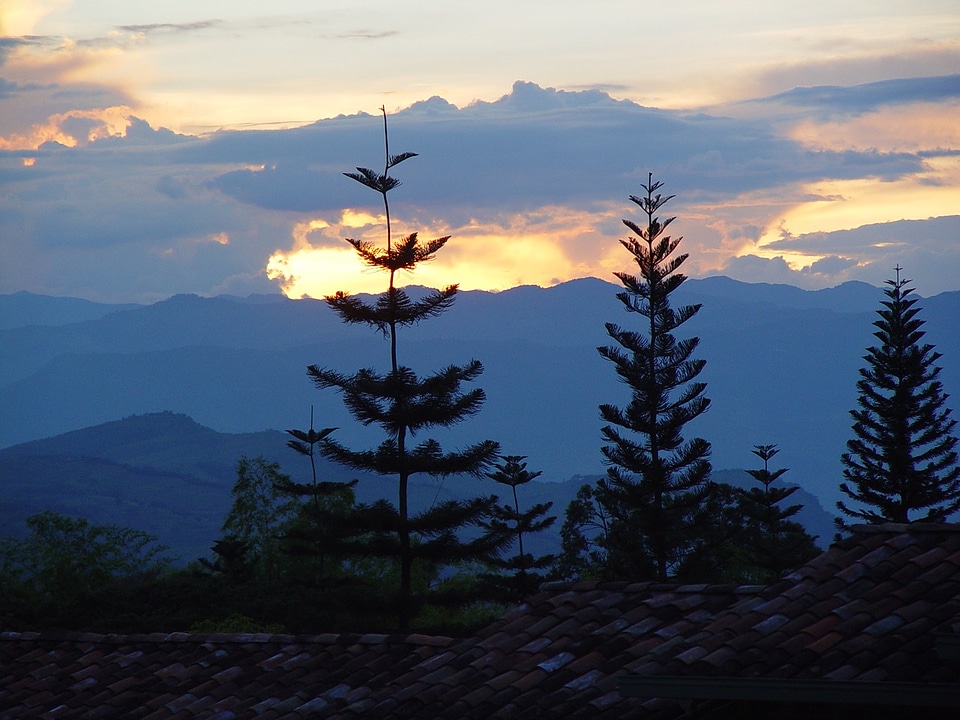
(307, 557)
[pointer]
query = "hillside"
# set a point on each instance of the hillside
(168, 475)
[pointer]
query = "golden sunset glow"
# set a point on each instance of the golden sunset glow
(108, 122)
(204, 146)
(542, 248)
(20, 17)
(847, 204)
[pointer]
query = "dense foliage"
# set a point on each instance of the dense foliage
(67, 572)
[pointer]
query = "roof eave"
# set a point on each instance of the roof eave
(792, 690)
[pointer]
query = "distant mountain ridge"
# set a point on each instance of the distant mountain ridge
(22, 309)
(781, 368)
(172, 477)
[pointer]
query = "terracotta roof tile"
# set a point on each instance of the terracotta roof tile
(866, 609)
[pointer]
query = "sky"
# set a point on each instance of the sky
(149, 149)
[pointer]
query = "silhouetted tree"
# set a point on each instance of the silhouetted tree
(774, 543)
(767, 497)
(583, 538)
(258, 516)
(404, 405)
(520, 573)
(283, 553)
(655, 481)
(719, 550)
(903, 459)
(326, 526)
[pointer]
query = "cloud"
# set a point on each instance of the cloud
(826, 272)
(10, 45)
(860, 76)
(891, 236)
(43, 95)
(532, 187)
(139, 132)
(752, 268)
(367, 35)
(926, 248)
(870, 96)
(9, 89)
(543, 146)
(170, 28)
(20, 17)
(74, 128)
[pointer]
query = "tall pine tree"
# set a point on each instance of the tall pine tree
(655, 480)
(405, 405)
(903, 459)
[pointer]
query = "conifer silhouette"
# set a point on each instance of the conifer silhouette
(405, 405)
(521, 572)
(774, 543)
(655, 480)
(903, 457)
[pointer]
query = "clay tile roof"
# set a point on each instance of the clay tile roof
(881, 605)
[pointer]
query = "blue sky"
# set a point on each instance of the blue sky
(198, 147)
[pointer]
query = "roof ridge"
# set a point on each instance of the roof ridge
(899, 528)
(555, 586)
(417, 639)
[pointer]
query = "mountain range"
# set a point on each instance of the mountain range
(782, 365)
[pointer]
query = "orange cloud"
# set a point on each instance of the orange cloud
(543, 247)
(844, 204)
(546, 247)
(61, 89)
(903, 128)
(72, 128)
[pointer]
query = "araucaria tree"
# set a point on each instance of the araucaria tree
(773, 543)
(655, 480)
(903, 459)
(520, 574)
(405, 405)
